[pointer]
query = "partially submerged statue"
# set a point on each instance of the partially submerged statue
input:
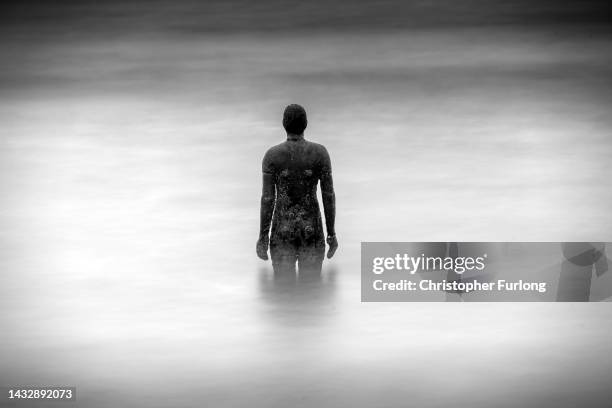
(291, 172)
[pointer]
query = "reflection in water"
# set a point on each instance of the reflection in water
(298, 298)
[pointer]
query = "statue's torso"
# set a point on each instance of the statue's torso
(296, 169)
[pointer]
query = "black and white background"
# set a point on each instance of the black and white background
(131, 138)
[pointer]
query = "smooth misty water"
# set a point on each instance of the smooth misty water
(130, 173)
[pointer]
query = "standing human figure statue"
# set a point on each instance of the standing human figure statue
(291, 172)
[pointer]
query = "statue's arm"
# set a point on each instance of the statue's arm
(328, 194)
(268, 198)
(329, 203)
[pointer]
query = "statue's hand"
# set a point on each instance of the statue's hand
(333, 245)
(262, 247)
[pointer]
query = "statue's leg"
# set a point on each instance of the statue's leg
(284, 257)
(310, 259)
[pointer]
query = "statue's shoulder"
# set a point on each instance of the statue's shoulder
(317, 147)
(276, 149)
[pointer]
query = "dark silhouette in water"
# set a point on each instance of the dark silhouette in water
(577, 270)
(291, 172)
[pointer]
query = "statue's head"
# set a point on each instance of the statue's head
(294, 119)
